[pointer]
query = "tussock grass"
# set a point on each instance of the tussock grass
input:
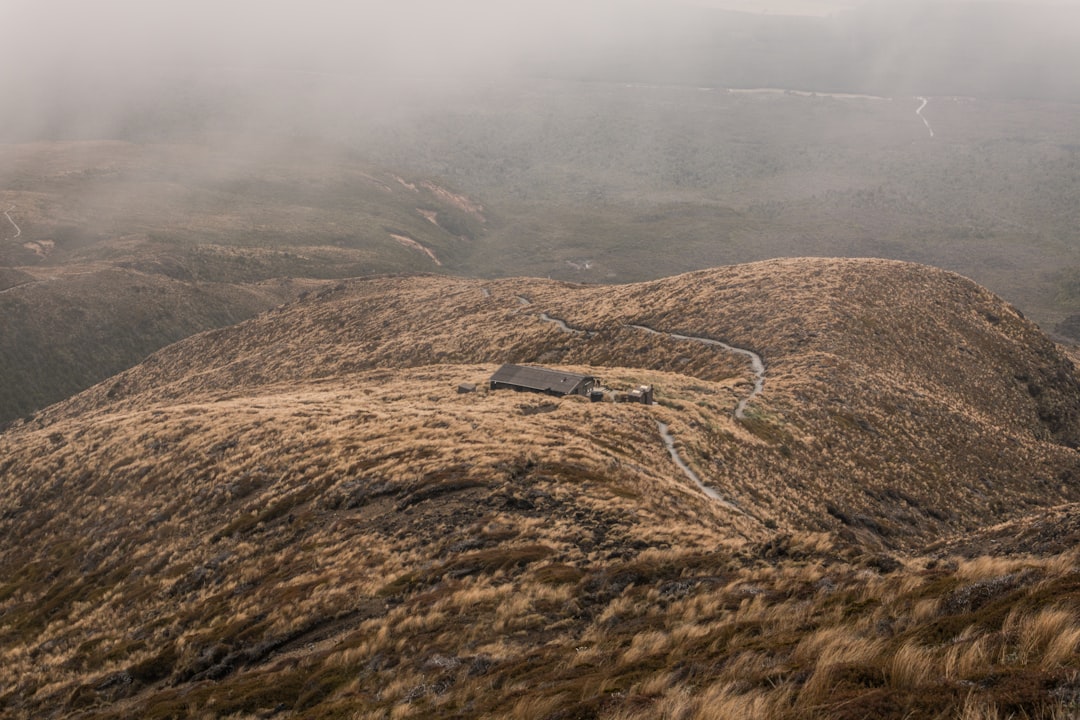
(867, 425)
(305, 512)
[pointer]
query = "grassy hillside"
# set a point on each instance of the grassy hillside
(123, 248)
(925, 388)
(63, 332)
(107, 200)
(301, 516)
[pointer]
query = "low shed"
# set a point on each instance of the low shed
(542, 380)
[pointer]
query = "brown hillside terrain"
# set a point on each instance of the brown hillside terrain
(899, 400)
(122, 248)
(1043, 532)
(300, 515)
(66, 328)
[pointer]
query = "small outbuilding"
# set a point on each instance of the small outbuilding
(643, 394)
(542, 380)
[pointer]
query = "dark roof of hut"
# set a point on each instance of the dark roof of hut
(540, 379)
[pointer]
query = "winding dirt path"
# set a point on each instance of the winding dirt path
(561, 324)
(669, 442)
(18, 230)
(925, 102)
(22, 284)
(756, 363)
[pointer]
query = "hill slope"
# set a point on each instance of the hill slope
(301, 513)
(893, 390)
(123, 248)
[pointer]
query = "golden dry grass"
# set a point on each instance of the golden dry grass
(877, 417)
(303, 513)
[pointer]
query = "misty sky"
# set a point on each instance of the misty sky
(62, 58)
(139, 36)
(814, 7)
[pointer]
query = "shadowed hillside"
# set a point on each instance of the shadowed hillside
(300, 515)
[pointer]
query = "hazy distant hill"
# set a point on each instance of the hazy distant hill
(114, 250)
(188, 74)
(987, 49)
(620, 182)
(300, 515)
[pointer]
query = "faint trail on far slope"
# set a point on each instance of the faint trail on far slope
(22, 284)
(561, 324)
(925, 102)
(18, 230)
(408, 242)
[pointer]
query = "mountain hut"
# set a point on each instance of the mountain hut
(542, 380)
